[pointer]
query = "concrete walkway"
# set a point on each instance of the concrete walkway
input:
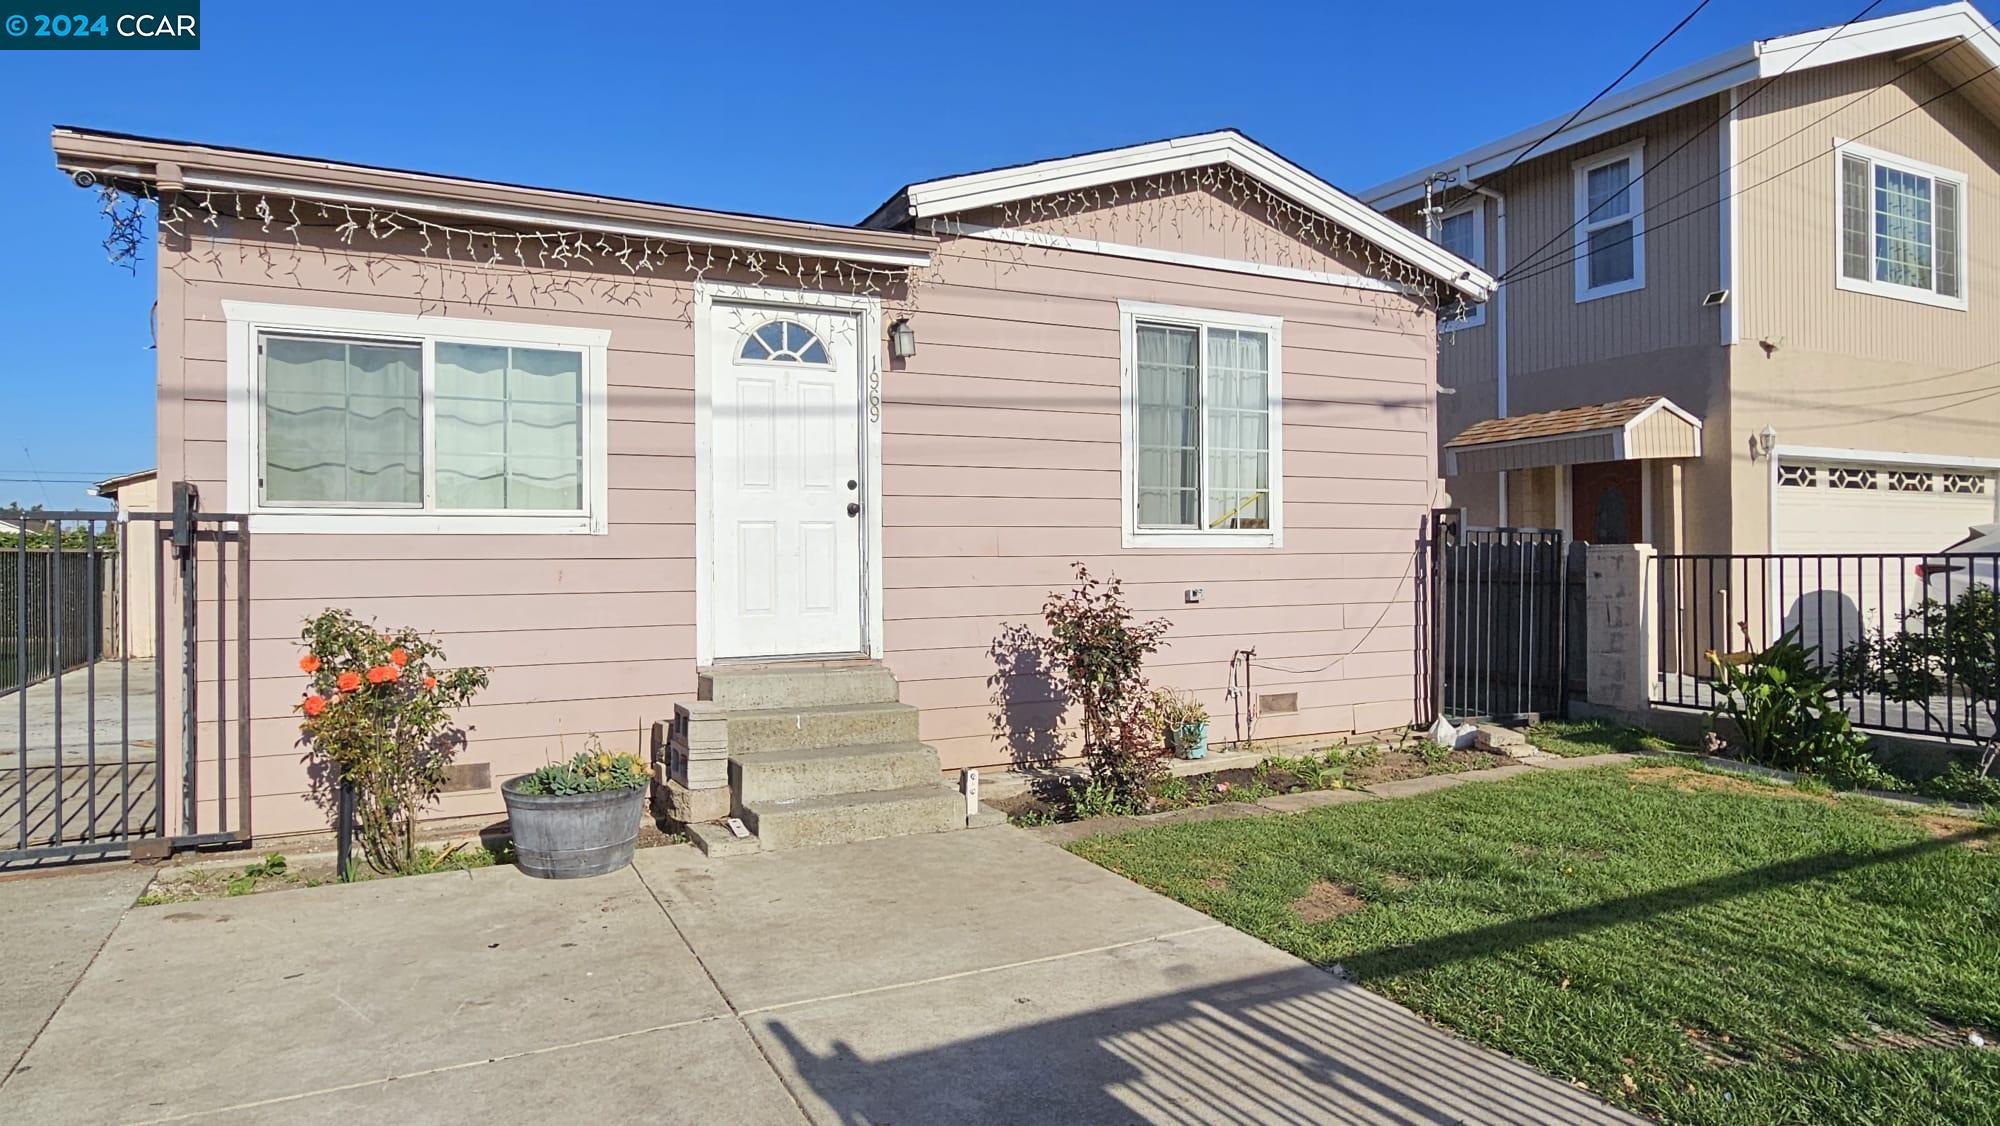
(970, 977)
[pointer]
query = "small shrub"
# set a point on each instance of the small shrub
(592, 772)
(1096, 651)
(377, 709)
(1944, 661)
(1790, 718)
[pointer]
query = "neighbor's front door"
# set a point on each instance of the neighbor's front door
(786, 505)
(1607, 502)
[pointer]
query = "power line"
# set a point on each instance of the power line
(1656, 205)
(1614, 84)
(1560, 264)
(1528, 258)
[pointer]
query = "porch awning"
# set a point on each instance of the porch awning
(1626, 430)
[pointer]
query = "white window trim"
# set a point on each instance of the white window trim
(1129, 314)
(1636, 192)
(1477, 207)
(245, 321)
(1892, 290)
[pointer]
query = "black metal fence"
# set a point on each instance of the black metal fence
(58, 608)
(1908, 642)
(85, 768)
(1500, 613)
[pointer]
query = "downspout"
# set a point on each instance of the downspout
(1498, 268)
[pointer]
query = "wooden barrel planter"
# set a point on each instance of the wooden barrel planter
(570, 836)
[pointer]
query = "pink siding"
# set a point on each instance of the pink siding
(1001, 458)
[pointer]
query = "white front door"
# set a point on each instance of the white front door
(785, 513)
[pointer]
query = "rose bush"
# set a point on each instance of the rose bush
(378, 711)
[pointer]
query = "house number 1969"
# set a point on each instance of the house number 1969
(875, 392)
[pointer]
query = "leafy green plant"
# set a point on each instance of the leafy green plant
(272, 865)
(1945, 661)
(1962, 783)
(378, 711)
(1096, 651)
(1321, 771)
(1790, 718)
(592, 772)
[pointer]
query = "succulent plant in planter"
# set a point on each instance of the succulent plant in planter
(1185, 721)
(577, 818)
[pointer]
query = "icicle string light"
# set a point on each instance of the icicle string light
(482, 267)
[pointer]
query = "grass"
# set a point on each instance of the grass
(1576, 738)
(1690, 945)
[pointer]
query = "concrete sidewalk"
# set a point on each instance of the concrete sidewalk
(979, 976)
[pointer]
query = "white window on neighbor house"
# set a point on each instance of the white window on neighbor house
(1202, 426)
(348, 421)
(1463, 232)
(1610, 223)
(1902, 228)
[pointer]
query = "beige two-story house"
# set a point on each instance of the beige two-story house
(1749, 306)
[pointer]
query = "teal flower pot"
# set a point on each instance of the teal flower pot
(1190, 740)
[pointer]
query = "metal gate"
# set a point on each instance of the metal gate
(95, 680)
(1499, 619)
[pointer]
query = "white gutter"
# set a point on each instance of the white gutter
(1498, 268)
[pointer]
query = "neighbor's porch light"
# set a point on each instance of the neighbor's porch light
(902, 340)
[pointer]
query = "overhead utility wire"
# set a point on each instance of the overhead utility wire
(1701, 133)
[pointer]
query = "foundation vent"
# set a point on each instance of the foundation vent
(1278, 703)
(462, 776)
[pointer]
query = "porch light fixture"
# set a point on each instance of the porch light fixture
(1767, 440)
(902, 340)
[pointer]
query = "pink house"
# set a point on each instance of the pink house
(713, 486)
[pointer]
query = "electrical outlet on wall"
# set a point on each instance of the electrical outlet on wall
(1194, 594)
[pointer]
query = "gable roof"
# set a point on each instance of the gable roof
(1560, 423)
(997, 186)
(1945, 24)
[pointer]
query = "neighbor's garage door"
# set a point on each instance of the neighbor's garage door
(1864, 509)
(1829, 513)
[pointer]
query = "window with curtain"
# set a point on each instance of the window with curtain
(1902, 228)
(1460, 233)
(343, 425)
(1202, 427)
(1610, 225)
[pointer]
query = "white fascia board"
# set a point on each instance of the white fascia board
(1750, 62)
(530, 217)
(1054, 177)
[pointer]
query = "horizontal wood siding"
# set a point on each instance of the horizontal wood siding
(1001, 466)
(1331, 614)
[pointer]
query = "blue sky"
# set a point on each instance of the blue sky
(810, 111)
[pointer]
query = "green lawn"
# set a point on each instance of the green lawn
(1695, 947)
(1575, 738)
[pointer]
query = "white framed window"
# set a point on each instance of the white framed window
(343, 420)
(1203, 425)
(1610, 222)
(1462, 231)
(1902, 227)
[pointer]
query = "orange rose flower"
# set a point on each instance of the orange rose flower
(308, 664)
(348, 681)
(380, 673)
(399, 656)
(430, 682)
(314, 705)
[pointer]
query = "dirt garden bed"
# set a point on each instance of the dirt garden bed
(1057, 800)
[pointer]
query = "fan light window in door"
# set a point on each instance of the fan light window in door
(783, 342)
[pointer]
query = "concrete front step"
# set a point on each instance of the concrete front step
(839, 818)
(830, 725)
(796, 684)
(764, 776)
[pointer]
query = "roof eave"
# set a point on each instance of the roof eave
(978, 190)
(1725, 70)
(153, 163)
